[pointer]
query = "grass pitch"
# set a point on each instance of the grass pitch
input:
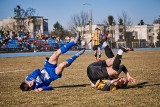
(73, 89)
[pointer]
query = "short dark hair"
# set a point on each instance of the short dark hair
(124, 85)
(96, 28)
(120, 85)
(24, 86)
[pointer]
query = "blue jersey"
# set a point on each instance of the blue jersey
(44, 77)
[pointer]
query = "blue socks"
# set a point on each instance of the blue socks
(66, 47)
(70, 60)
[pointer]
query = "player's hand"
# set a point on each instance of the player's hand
(115, 80)
(130, 79)
(30, 83)
(39, 89)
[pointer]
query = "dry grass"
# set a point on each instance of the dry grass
(73, 88)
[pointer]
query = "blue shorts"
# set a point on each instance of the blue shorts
(50, 68)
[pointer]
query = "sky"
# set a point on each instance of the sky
(62, 10)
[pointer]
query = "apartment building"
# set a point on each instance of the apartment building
(33, 25)
(144, 34)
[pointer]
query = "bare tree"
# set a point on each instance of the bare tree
(78, 20)
(111, 24)
(126, 25)
(126, 22)
(20, 16)
(30, 12)
(157, 21)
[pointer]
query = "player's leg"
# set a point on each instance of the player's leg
(95, 54)
(68, 62)
(99, 53)
(107, 50)
(105, 46)
(54, 58)
(113, 70)
(110, 61)
(117, 60)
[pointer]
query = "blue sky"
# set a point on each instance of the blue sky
(62, 10)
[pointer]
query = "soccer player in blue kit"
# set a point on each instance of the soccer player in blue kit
(39, 80)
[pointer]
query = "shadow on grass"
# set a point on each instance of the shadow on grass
(141, 85)
(71, 86)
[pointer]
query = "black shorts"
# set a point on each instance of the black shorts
(97, 70)
(95, 47)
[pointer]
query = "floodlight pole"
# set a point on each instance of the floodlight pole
(90, 20)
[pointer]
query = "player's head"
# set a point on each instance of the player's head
(97, 30)
(25, 86)
(122, 83)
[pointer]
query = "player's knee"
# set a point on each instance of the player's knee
(62, 65)
(57, 53)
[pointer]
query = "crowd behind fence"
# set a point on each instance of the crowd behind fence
(24, 43)
(31, 44)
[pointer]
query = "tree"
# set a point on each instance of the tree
(78, 20)
(58, 30)
(158, 42)
(126, 25)
(120, 21)
(19, 12)
(110, 20)
(30, 12)
(126, 21)
(20, 16)
(157, 21)
(141, 22)
(111, 30)
(57, 26)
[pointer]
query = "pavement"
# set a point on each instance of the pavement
(7, 55)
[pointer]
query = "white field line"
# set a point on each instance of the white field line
(12, 71)
(68, 68)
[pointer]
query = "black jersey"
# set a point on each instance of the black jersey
(97, 70)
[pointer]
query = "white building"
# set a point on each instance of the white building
(33, 25)
(148, 33)
(142, 33)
